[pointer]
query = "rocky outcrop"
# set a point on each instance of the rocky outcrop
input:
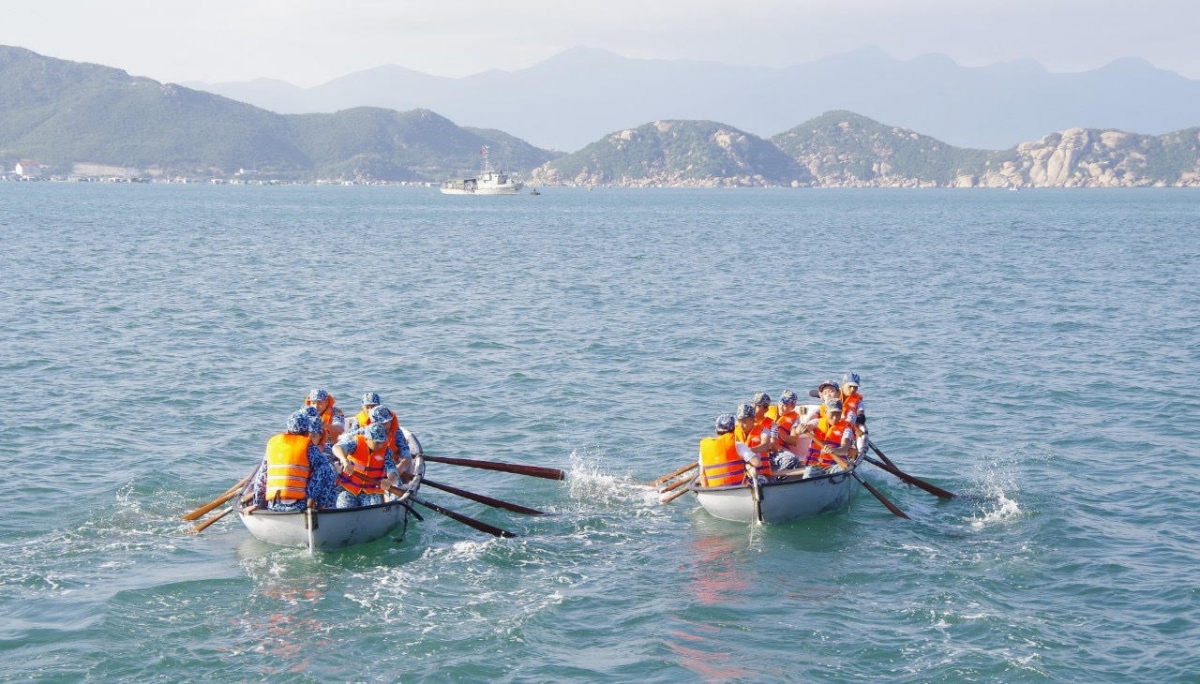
(844, 149)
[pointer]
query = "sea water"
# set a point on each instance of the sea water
(1035, 352)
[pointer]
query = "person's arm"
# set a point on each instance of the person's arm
(259, 486)
(322, 479)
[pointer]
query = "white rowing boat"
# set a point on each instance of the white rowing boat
(337, 528)
(797, 494)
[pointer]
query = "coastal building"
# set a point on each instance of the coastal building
(28, 169)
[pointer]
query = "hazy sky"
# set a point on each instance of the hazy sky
(308, 42)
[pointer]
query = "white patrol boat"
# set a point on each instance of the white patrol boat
(489, 181)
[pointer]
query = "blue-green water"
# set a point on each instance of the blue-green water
(1036, 350)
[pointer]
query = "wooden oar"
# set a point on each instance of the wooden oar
(200, 527)
(681, 492)
(878, 495)
(880, 454)
(532, 471)
(229, 494)
(675, 485)
(675, 474)
(472, 522)
(931, 488)
(494, 503)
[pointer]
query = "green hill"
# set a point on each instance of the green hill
(59, 113)
(844, 148)
(691, 153)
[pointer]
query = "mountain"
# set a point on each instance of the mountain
(844, 149)
(60, 113)
(677, 153)
(579, 95)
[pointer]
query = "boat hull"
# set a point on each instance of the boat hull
(780, 502)
(332, 529)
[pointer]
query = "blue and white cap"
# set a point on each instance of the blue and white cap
(788, 398)
(376, 432)
(380, 414)
(745, 411)
(318, 395)
(850, 379)
(371, 399)
(299, 423)
(834, 405)
(762, 399)
(724, 423)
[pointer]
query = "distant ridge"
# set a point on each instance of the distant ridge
(577, 96)
(60, 113)
(57, 114)
(844, 149)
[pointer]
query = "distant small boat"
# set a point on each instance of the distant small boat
(534, 192)
(489, 181)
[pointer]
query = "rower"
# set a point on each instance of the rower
(757, 443)
(369, 401)
(720, 462)
(366, 461)
(853, 409)
(331, 416)
(396, 440)
(293, 470)
(837, 439)
(787, 418)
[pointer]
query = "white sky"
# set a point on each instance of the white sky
(308, 42)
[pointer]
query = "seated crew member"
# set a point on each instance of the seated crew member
(786, 419)
(750, 433)
(331, 416)
(720, 462)
(294, 470)
(396, 440)
(369, 401)
(366, 460)
(838, 438)
(828, 389)
(853, 409)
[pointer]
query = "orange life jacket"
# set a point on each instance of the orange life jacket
(287, 468)
(720, 463)
(369, 469)
(831, 438)
(786, 422)
(773, 412)
(754, 439)
(326, 418)
(852, 406)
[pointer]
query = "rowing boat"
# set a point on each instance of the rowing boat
(337, 528)
(793, 495)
